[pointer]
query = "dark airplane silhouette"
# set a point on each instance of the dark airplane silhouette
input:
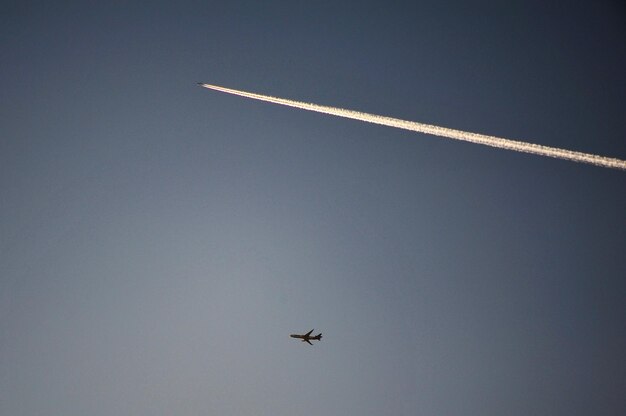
(307, 337)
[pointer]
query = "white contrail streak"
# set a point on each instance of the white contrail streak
(493, 141)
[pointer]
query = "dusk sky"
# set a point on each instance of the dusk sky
(159, 241)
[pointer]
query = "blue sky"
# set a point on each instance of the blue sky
(159, 241)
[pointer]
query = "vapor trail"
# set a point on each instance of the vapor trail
(493, 141)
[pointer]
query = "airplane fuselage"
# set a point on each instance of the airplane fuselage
(317, 337)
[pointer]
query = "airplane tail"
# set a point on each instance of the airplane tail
(319, 336)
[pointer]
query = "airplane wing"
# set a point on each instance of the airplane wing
(308, 341)
(309, 333)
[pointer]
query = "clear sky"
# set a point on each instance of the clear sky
(160, 241)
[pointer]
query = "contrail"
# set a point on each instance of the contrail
(493, 141)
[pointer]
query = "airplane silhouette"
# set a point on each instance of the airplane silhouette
(307, 337)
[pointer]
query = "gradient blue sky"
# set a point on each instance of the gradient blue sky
(160, 241)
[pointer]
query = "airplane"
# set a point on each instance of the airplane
(307, 337)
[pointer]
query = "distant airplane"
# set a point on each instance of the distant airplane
(307, 337)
